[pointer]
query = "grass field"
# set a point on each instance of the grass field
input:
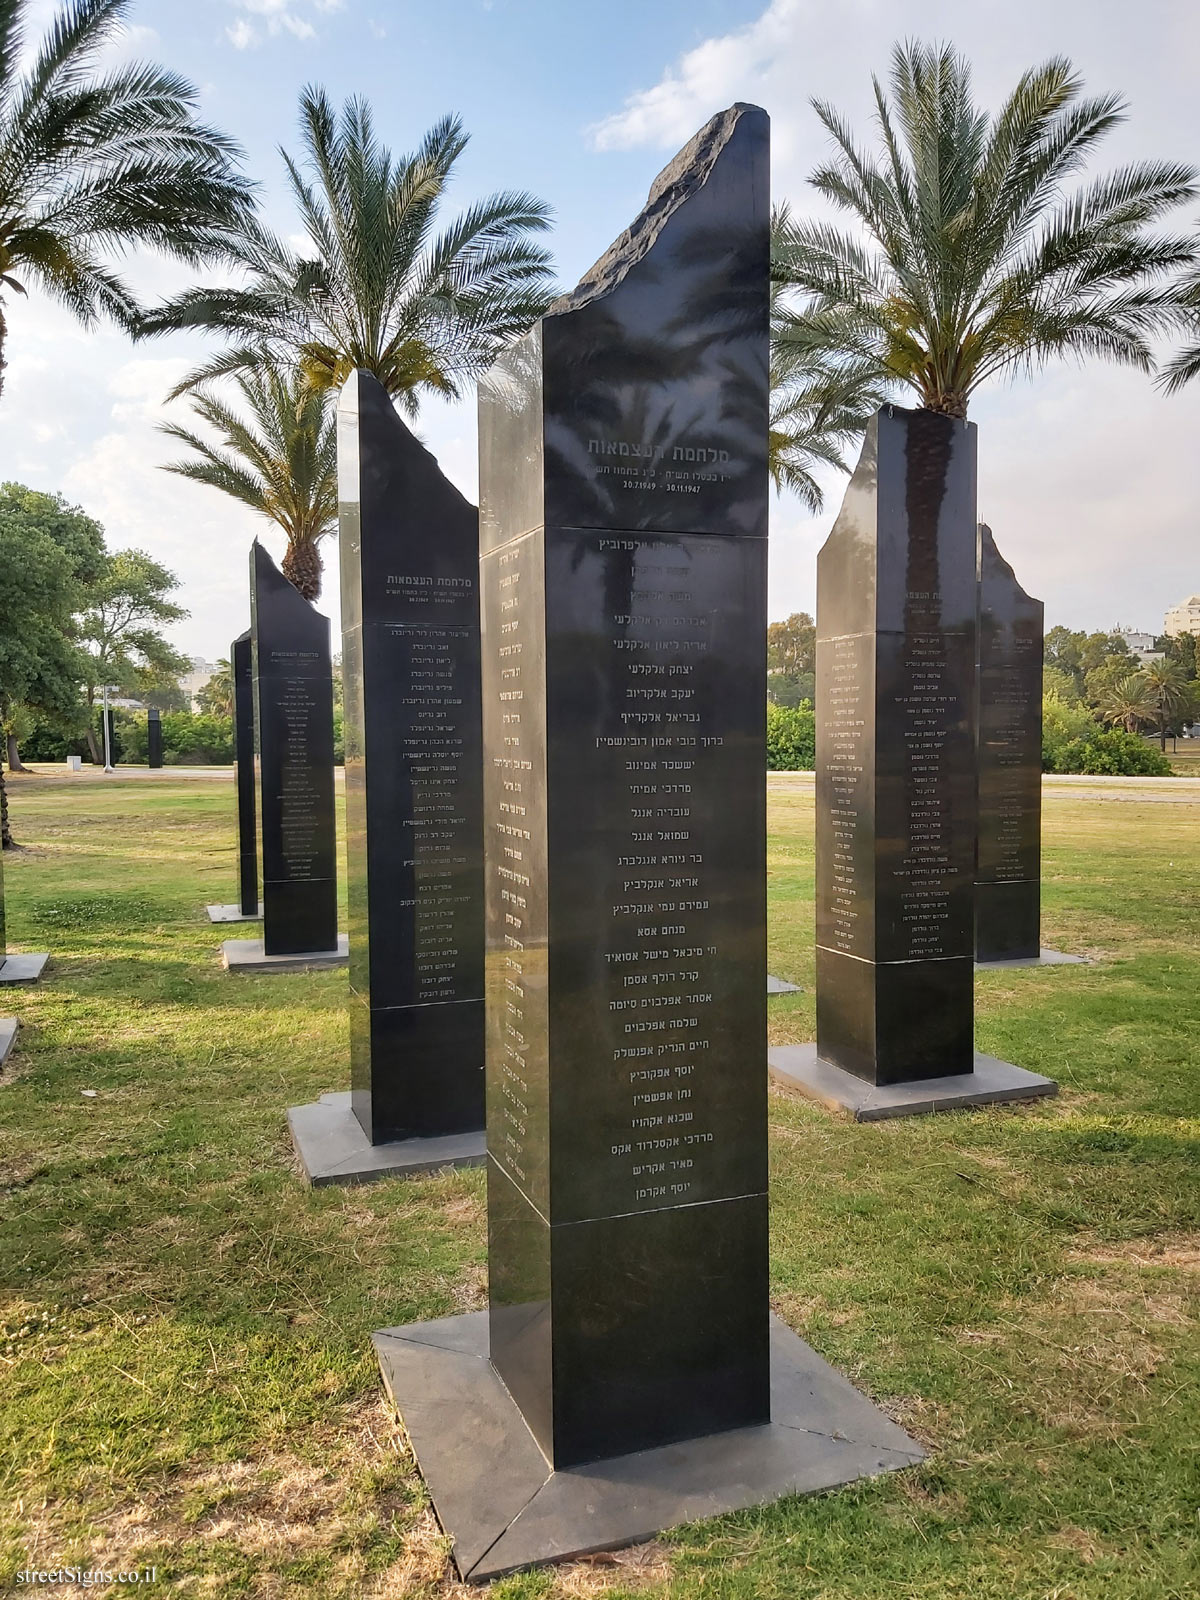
(185, 1372)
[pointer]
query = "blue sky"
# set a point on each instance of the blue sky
(1090, 480)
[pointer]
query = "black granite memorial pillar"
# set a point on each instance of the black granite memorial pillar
(154, 744)
(896, 616)
(110, 751)
(1008, 887)
(293, 700)
(623, 532)
(414, 826)
(241, 661)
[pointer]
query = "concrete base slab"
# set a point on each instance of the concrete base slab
(233, 914)
(333, 1148)
(23, 969)
(8, 1037)
(782, 986)
(993, 1082)
(1046, 958)
(248, 955)
(505, 1508)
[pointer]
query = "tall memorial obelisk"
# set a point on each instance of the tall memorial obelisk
(14, 969)
(623, 529)
(241, 660)
(248, 907)
(293, 713)
(896, 785)
(1008, 878)
(8, 1025)
(409, 545)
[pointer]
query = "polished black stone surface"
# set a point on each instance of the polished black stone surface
(3, 927)
(414, 777)
(896, 627)
(293, 712)
(624, 504)
(503, 1507)
(154, 744)
(109, 717)
(241, 659)
(1008, 887)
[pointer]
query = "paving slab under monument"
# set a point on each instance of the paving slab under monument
(1045, 958)
(249, 955)
(233, 914)
(505, 1508)
(333, 1148)
(8, 1037)
(993, 1082)
(23, 968)
(781, 985)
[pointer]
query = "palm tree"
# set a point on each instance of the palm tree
(1185, 364)
(280, 459)
(1169, 693)
(378, 289)
(976, 260)
(817, 406)
(216, 696)
(1128, 704)
(92, 162)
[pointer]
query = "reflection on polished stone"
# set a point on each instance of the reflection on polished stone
(1008, 888)
(896, 623)
(414, 823)
(623, 519)
(293, 703)
(241, 660)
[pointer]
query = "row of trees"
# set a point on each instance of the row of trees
(976, 247)
(1100, 671)
(74, 617)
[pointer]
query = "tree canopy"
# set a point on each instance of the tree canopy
(94, 161)
(971, 253)
(376, 286)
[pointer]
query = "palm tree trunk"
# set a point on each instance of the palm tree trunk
(15, 764)
(302, 566)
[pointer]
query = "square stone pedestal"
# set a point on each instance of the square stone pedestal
(8, 1037)
(233, 914)
(249, 955)
(504, 1506)
(781, 986)
(993, 1082)
(333, 1148)
(1045, 958)
(23, 969)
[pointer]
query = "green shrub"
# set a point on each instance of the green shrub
(791, 738)
(1111, 751)
(1063, 725)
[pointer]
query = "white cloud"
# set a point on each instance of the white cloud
(1090, 478)
(276, 17)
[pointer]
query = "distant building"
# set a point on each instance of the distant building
(1183, 618)
(192, 682)
(1141, 644)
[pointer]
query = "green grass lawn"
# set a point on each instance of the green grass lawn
(185, 1370)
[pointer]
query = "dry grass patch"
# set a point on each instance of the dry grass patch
(273, 1506)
